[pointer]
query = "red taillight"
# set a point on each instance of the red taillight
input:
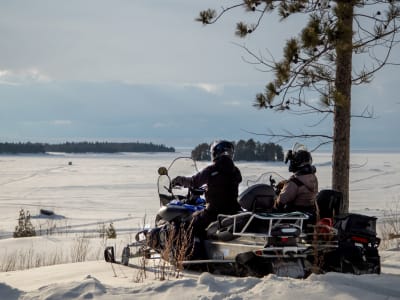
(359, 239)
(325, 222)
(284, 239)
(258, 252)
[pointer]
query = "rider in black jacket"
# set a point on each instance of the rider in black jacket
(222, 178)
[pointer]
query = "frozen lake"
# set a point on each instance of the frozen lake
(87, 190)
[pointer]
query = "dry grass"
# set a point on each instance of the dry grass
(184, 247)
(141, 275)
(390, 227)
(80, 249)
(26, 258)
(177, 247)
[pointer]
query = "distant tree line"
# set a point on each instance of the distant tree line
(244, 150)
(82, 147)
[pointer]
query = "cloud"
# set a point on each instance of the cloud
(61, 122)
(161, 125)
(5, 78)
(233, 103)
(208, 87)
(171, 114)
(45, 123)
(32, 75)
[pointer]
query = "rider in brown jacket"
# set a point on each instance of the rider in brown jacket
(300, 190)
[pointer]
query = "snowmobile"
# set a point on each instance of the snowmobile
(256, 241)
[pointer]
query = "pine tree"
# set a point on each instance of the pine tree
(110, 232)
(320, 61)
(24, 227)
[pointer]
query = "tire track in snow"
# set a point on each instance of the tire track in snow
(32, 175)
(373, 176)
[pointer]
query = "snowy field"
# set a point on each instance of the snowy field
(88, 192)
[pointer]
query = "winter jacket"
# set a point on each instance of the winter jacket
(222, 179)
(300, 191)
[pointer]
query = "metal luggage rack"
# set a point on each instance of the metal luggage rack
(269, 220)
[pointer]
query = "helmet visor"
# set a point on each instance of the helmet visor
(298, 147)
(288, 156)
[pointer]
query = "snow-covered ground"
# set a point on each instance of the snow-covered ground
(87, 192)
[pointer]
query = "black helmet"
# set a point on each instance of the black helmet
(298, 157)
(220, 148)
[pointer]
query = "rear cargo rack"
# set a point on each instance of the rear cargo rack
(261, 224)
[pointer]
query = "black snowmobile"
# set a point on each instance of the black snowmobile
(256, 241)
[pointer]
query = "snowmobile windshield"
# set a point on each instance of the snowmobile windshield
(269, 178)
(181, 166)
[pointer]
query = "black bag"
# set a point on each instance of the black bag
(329, 203)
(355, 224)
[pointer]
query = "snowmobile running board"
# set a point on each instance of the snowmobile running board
(207, 261)
(109, 255)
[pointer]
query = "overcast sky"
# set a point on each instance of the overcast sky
(128, 70)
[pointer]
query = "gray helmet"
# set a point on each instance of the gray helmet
(220, 148)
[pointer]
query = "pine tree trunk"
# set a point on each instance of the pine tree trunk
(342, 115)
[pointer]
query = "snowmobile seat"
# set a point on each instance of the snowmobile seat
(215, 232)
(329, 203)
(258, 198)
(222, 229)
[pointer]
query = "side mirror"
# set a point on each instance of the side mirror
(272, 181)
(162, 171)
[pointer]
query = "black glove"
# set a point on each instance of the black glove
(179, 180)
(278, 207)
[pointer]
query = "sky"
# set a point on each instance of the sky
(130, 70)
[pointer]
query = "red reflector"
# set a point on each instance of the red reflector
(284, 239)
(325, 221)
(258, 252)
(359, 239)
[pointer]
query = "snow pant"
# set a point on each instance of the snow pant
(200, 221)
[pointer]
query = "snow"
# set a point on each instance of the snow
(97, 189)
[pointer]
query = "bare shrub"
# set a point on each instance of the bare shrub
(79, 249)
(390, 226)
(167, 253)
(177, 248)
(184, 247)
(51, 227)
(141, 274)
(144, 254)
(48, 228)
(102, 230)
(99, 253)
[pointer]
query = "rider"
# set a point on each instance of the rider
(222, 178)
(299, 192)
